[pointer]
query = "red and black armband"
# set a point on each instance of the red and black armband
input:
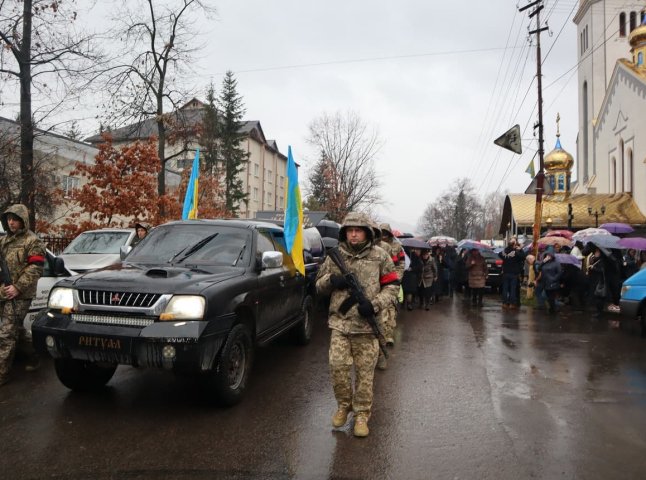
(389, 279)
(38, 260)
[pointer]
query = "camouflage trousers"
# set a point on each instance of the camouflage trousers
(362, 352)
(388, 321)
(12, 314)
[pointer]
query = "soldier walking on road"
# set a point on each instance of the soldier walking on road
(397, 256)
(352, 341)
(24, 256)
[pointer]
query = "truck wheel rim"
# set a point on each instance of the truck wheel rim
(237, 363)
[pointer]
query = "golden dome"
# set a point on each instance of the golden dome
(558, 159)
(638, 35)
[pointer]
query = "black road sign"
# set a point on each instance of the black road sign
(510, 140)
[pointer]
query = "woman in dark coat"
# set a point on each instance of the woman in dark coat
(428, 278)
(411, 278)
(598, 279)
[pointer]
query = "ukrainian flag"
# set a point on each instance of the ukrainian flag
(190, 200)
(294, 215)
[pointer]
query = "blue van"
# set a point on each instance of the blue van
(633, 302)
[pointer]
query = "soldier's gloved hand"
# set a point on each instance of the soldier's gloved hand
(366, 309)
(338, 281)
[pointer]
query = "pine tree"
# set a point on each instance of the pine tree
(233, 156)
(209, 134)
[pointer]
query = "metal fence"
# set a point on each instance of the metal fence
(57, 244)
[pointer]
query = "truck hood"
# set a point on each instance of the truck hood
(126, 277)
(82, 262)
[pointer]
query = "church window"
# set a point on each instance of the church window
(630, 171)
(622, 24)
(551, 180)
(586, 37)
(633, 21)
(613, 175)
(623, 165)
(561, 184)
(640, 59)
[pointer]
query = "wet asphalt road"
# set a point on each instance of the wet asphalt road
(469, 393)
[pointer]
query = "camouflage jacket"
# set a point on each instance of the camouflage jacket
(24, 254)
(376, 273)
(396, 252)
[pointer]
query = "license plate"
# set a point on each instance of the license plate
(100, 343)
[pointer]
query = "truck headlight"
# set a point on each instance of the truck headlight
(624, 290)
(61, 299)
(184, 307)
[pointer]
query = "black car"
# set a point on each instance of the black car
(494, 269)
(194, 296)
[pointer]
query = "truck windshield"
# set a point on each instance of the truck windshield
(193, 244)
(98, 242)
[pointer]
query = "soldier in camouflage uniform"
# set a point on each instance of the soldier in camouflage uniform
(352, 340)
(396, 252)
(24, 254)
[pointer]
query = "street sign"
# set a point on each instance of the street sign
(510, 140)
(547, 188)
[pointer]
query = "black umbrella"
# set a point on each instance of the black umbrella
(414, 243)
(328, 228)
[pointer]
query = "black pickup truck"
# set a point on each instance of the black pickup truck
(194, 296)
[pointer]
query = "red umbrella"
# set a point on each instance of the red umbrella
(560, 233)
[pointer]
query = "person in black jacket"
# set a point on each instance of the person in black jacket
(513, 259)
(411, 278)
(550, 276)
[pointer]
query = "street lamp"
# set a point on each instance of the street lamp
(596, 214)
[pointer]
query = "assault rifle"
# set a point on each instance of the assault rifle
(357, 296)
(5, 274)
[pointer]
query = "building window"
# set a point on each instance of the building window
(586, 38)
(561, 183)
(68, 184)
(281, 202)
(622, 24)
(269, 177)
(255, 194)
(640, 59)
(269, 196)
(256, 169)
(633, 21)
(613, 175)
(630, 171)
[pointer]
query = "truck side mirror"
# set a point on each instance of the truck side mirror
(124, 251)
(272, 260)
(59, 267)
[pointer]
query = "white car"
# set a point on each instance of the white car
(53, 271)
(97, 248)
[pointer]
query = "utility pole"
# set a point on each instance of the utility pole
(540, 177)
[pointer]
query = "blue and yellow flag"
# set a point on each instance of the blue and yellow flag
(294, 215)
(530, 169)
(190, 200)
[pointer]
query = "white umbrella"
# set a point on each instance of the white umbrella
(588, 232)
(442, 240)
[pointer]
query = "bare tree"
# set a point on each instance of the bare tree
(457, 213)
(344, 178)
(159, 45)
(492, 208)
(39, 48)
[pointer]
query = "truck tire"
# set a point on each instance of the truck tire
(227, 381)
(302, 332)
(82, 376)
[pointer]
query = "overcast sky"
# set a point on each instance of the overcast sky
(431, 97)
(439, 81)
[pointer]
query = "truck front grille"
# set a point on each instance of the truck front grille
(113, 320)
(118, 299)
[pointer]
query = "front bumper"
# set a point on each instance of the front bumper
(150, 346)
(629, 308)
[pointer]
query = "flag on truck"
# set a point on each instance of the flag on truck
(294, 215)
(190, 199)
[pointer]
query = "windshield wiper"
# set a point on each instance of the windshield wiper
(239, 255)
(193, 249)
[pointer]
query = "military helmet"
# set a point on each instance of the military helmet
(385, 228)
(376, 230)
(356, 219)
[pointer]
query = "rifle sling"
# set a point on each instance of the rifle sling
(347, 304)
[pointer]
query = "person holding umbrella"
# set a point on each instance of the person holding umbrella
(550, 278)
(513, 259)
